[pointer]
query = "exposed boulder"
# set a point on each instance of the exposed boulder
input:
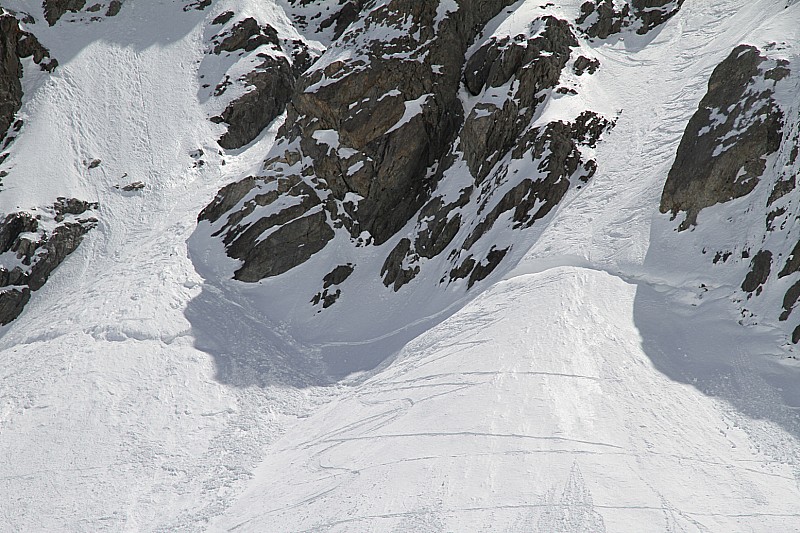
(31, 247)
(738, 124)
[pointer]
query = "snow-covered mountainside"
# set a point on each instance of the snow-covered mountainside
(393, 265)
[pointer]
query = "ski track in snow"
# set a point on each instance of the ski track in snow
(534, 408)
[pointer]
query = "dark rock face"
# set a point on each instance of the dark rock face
(14, 45)
(376, 133)
(337, 276)
(792, 263)
(113, 8)
(271, 84)
(600, 19)
(246, 35)
(723, 150)
(288, 246)
(536, 64)
(759, 271)
(29, 253)
(54, 9)
(372, 134)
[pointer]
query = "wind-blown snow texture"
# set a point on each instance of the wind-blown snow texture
(610, 373)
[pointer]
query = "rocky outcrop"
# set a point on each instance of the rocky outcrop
(268, 86)
(55, 9)
(32, 246)
(759, 272)
(245, 35)
(16, 44)
(370, 119)
(536, 64)
(601, 19)
(723, 151)
(411, 144)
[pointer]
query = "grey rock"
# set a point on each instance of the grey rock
(113, 8)
(536, 64)
(338, 275)
(246, 35)
(789, 301)
(134, 186)
(393, 272)
(792, 263)
(481, 271)
(583, 65)
(723, 150)
(223, 18)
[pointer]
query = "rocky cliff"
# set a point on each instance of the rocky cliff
(738, 163)
(415, 146)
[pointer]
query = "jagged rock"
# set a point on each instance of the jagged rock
(759, 271)
(342, 18)
(14, 45)
(535, 64)
(246, 35)
(29, 253)
(602, 18)
(54, 9)
(789, 301)
(722, 153)
(481, 271)
(393, 272)
(271, 85)
(583, 64)
(336, 276)
(781, 189)
(135, 186)
(223, 18)
(371, 126)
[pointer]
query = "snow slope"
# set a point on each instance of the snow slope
(586, 392)
(534, 408)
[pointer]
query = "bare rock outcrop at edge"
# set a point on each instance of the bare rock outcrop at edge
(16, 44)
(33, 245)
(723, 151)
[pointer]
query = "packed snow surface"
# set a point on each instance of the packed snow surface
(590, 390)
